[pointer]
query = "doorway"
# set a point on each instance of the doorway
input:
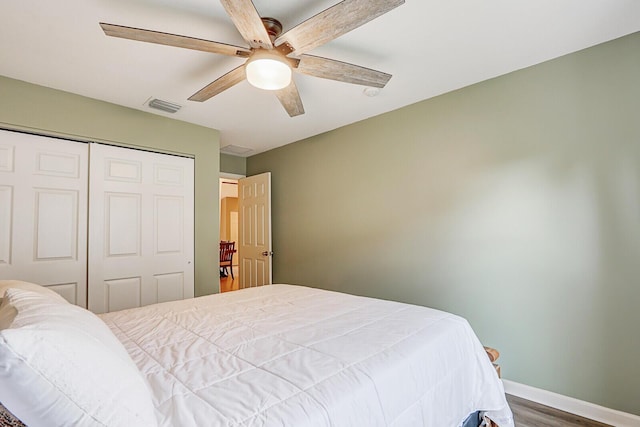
(229, 277)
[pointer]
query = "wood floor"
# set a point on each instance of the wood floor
(525, 412)
(531, 414)
(228, 284)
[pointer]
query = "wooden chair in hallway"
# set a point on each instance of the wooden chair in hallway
(227, 249)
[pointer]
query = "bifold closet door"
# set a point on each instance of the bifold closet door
(141, 228)
(43, 213)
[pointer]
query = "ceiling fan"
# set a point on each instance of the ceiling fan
(272, 55)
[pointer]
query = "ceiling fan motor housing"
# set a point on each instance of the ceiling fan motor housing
(273, 27)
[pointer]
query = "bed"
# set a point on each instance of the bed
(278, 355)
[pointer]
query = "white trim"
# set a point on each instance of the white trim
(571, 405)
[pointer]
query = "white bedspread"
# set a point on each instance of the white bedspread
(284, 355)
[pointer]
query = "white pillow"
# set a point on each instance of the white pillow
(60, 365)
(8, 314)
(19, 284)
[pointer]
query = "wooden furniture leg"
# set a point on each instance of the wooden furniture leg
(493, 356)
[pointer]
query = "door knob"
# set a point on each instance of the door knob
(267, 253)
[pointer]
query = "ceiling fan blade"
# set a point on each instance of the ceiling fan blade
(341, 71)
(223, 83)
(289, 97)
(334, 22)
(173, 40)
(247, 20)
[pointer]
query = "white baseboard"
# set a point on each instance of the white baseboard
(571, 405)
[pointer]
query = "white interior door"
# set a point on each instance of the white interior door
(254, 230)
(141, 236)
(43, 205)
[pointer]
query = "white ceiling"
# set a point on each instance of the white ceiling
(431, 47)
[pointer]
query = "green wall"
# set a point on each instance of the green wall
(37, 109)
(233, 164)
(514, 202)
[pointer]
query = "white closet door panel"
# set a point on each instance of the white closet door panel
(68, 291)
(56, 221)
(170, 286)
(58, 164)
(122, 170)
(121, 294)
(122, 224)
(169, 224)
(43, 212)
(6, 154)
(141, 215)
(169, 175)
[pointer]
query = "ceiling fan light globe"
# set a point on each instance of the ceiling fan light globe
(268, 73)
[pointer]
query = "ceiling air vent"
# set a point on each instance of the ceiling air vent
(167, 106)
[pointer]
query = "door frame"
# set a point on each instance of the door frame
(225, 175)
